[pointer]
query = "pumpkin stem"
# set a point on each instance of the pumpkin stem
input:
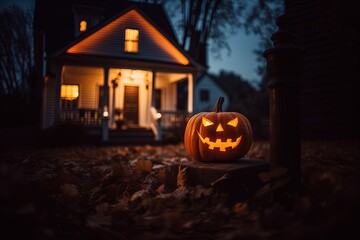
(218, 104)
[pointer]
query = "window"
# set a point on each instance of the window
(83, 26)
(69, 96)
(131, 40)
(204, 95)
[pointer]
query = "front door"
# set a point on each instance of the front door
(131, 104)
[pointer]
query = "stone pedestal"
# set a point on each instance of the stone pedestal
(239, 179)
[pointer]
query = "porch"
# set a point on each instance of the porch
(165, 126)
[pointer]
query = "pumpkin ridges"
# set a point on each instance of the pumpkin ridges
(191, 135)
(188, 131)
(194, 136)
(214, 147)
(202, 147)
(249, 130)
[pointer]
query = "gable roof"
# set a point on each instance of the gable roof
(214, 79)
(107, 39)
(55, 18)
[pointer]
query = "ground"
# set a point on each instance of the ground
(90, 192)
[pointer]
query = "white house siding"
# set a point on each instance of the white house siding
(215, 92)
(167, 83)
(109, 41)
(89, 80)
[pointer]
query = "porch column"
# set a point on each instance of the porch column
(58, 93)
(115, 84)
(284, 68)
(190, 93)
(105, 107)
(153, 89)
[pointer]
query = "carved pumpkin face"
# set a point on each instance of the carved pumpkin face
(218, 136)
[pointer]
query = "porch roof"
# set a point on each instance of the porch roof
(112, 62)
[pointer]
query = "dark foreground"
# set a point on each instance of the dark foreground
(89, 192)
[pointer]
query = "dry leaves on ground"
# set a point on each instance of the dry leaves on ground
(89, 192)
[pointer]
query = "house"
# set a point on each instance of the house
(104, 61)
(206, 93)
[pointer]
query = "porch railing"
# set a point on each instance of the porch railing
(84, 116)
(168, 121)
(162, 121)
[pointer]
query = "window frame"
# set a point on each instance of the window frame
(70, 103)
(130, 41)
(204, 95)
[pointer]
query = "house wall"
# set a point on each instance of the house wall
(89, 81)
(109, 41)
(214, 93)
(168, 93)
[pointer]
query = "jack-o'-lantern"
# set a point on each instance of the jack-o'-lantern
(218, 136)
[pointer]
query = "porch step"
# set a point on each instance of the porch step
(131, 136)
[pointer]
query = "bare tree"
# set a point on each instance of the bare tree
(201, 22)
(209, 23)
(16, 50)
(198, 21)
(19, 92)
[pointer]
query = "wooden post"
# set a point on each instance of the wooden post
(284, 67)
(105, 108)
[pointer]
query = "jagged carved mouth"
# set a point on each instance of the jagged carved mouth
(222, 145)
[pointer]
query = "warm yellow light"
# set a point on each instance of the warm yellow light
(105, 112)
(206, 122)
(219, 128)
(222, 145)
(69, 92)
(83, 26)
(158, 115)
(233, 122)
(131, 40)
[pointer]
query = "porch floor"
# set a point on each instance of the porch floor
(133, 135)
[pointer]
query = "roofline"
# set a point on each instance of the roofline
(114, 17)
(100, 61)
(206, 73)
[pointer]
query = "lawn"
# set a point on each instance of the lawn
(93, 192)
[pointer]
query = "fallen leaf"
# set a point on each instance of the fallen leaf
(69, 190)
(143, 166)
(182, 177)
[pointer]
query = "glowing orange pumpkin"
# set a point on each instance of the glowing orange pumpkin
(218, 136)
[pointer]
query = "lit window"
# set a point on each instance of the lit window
(69, 92)
(131, 40)
(83, 26)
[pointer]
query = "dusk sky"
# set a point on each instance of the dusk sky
(241, 61)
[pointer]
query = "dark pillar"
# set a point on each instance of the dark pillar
(284, 67)
(105, 107)
(58, 82)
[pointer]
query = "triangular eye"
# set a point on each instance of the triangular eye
(233, 122)
(206, 122)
